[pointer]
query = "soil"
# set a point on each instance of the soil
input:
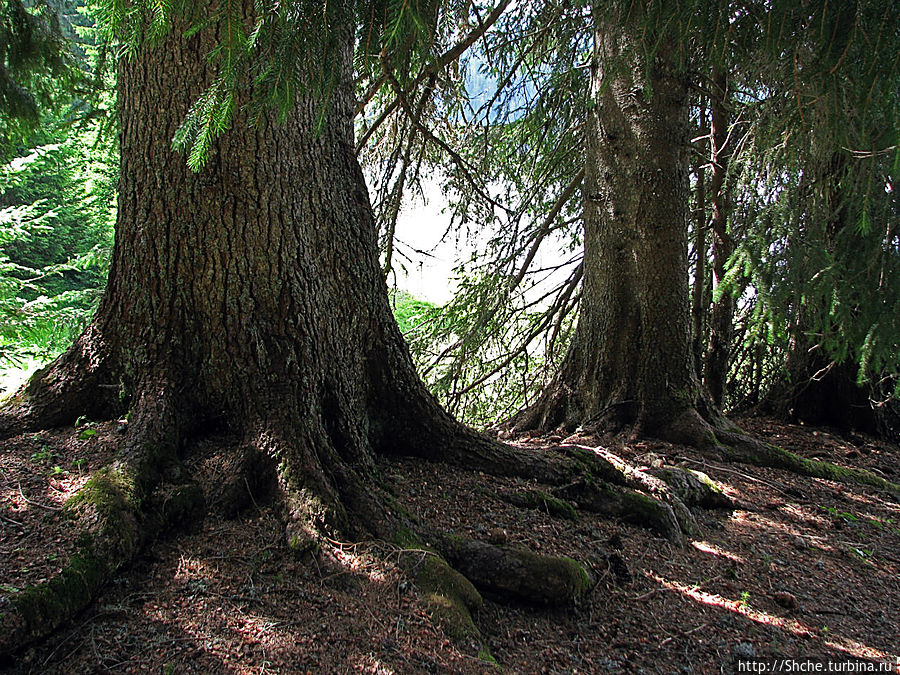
(802, 568)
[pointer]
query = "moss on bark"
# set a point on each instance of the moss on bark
(542, 501)
(449, 597)
(629, 505)
(740, 448)
(518, 574)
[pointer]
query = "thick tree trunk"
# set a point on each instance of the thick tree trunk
(631, 360)
(250, 295)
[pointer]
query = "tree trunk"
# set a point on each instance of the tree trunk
(699, 290)
(721, 318)
(630, 363)
(249, 296)
(631, 359)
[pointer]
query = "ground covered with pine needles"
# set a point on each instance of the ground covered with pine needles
(802, 567)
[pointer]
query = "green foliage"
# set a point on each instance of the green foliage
(36, 66)
(57, 207)
(57, 178)
(411, 312)
(283, 53)
(483, 365)
(814, 183)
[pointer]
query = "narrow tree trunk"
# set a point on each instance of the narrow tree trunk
(722, 315)
(698, 299)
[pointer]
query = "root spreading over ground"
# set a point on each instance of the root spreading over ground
(796, 566)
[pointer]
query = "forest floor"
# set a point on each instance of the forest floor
(803, 568)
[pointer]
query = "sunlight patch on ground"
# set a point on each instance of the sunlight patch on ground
(838, 642)
(359, 563)
(19, 500)
(192, 568)
(369, 664)
(869, 501)
(802, 515)
(706, 547)
(757, 521)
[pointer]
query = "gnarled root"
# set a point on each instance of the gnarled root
(724, 440)
(615, 501)
(450, 598)
(450, 571)
(517, 574)
(742, 448)
(595, 481)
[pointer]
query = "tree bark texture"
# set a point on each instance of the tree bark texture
(249, 295)
(699, 290)
(631, 359)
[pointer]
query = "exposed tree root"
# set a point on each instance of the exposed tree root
(723, 440)
(116, 511)
(615, 501)
(449, 597)
(577, 474)
(449, 572)
(106, 509)
(541, 501)
(329, 488)
(517, 574)
(80, 382)
(736, 448)
(701, 427)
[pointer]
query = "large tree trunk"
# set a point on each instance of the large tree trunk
(249, 296)
(631, 359)
(630, 364)
(249, 291)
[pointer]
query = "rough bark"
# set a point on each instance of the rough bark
(249, 295)
(699, 290)
(631, 360)
(818, 392)
(630, 364)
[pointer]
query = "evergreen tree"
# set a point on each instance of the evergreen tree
(786, 64)
(248, 295)
(816, 207)
(57, 191)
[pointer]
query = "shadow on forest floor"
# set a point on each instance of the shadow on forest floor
(803, 568)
